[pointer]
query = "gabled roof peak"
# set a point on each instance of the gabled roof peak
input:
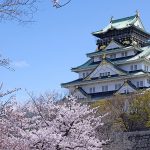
(122, 23)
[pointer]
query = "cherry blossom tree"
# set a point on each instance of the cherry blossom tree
(60, 3)
(49, 125)
(20, 10)
(8, 118)
(5, 62)
(23, 10)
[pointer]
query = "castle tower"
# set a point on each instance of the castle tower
(120, 64)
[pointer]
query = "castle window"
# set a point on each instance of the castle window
(116, 88)
(104, 74)
(131, 67)
(92, 90)
(137, 84)
(135, 51)
(135, 67)
(122, 54)
(105, 88)
(141, 83)
(112, 56)
(126, 91)
(148, 81)
(83, 75)
(145, 68)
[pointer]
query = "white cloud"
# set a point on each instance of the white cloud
(20, 64)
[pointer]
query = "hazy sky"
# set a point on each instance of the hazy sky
(43, 52)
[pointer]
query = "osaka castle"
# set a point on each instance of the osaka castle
(120, 63)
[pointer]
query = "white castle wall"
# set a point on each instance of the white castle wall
(103, 69)
(97, 58)
(111, 86)
(145, 81)
(83, 74)
(98, 86)
(118, 55)
(127, 67)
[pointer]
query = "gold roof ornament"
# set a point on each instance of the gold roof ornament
(97, 49)
(126, 42)
(104, 56)
(88, 79)
(76, 87)
(103, 47)
(126, 82)
(134, 43)
(104, 59)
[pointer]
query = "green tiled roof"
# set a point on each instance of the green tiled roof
(120, 24)
(126, 19)
(91, 64)
(85, 65)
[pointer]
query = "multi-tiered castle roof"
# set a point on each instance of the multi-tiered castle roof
(120, 64)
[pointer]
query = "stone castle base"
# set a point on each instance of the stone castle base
(139, 140)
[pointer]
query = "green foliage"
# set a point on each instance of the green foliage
(127, 112)
(139, 111)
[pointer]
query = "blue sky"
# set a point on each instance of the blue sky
(43, 52)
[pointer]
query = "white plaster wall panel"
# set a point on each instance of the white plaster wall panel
(147, 64)
(78, 94)
(135, 80)
(97, 58)
(80, 75)
(131, 52)
(143, 66)
(102, 68)
(86, 88)
(98, 86)
(119, 54)
(126, 88)
(148, 57)
(138, 24)
(71, 90)
(127, 67)
(111, 85)
(112, 45)
(147, 82)
(85, 72)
